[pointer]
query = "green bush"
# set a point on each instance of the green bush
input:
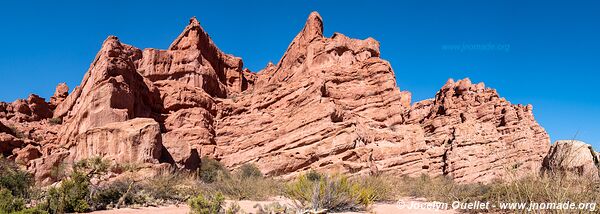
(211, 170)
(12, 178)
(314, 176)
(331, 193)
(206, 205)
(95, 166)
(8, 203)
(119, 193)
(33, 210)
(250, 171)
(71, 196)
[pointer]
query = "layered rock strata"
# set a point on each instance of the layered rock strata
(329, 104)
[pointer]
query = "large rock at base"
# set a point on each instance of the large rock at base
(133, 141)
(571, 156)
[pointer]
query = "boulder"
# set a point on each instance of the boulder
(8, 143)
(60, 94)
(39, 108)
(572, 156)
(133, 141)
(25, 155)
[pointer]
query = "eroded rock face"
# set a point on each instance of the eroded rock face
(475, 135)
(572, 156)
(111, 91)
(133, 141)
(327, 105)
(330, 104)
(193, 59)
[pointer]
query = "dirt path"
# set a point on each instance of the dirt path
(248, 206)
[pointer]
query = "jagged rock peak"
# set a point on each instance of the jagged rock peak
(313, 27)
(194, 21)
(199, 37)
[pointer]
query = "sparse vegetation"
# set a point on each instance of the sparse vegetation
(55, 121)
(211, 170)
(206, 189)
(212, 204)
(17, 181)
(8, 203)
(332, 193)
(17, 133)
(250, 171)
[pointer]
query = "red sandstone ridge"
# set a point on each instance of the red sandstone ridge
(330, 104)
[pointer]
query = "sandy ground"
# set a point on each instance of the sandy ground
(248, 206)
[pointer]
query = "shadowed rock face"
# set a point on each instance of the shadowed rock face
(330, 104)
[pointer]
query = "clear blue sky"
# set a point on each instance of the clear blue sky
(546, 53)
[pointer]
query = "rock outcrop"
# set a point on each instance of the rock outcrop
(60, 94)
(329, 104)
(475, 135)
(571, 156)
(111, 91)
(133, 141)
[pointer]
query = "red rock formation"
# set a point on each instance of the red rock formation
(193, 59)
(330, 104)
(111, 91)
(318, 108)
(60, 94)
(475, 135)
(133, 141)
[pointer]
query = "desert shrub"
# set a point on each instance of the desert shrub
(238, 187)
(17, 181)
(274, 207)
(558, 188)
(71, 196)
(546, 188)
(124, 167)
(212, 204)
(211, 170)
(383, 188)
(172, 186)
(55, 121)
(332, 193)
(17, 133)
(118, 194)
(314, 175)
(32, 210)
(8, 203)
(250, 171)
(94, 166)
(234, 208)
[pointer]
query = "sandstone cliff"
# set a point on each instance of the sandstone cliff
(329, 104)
